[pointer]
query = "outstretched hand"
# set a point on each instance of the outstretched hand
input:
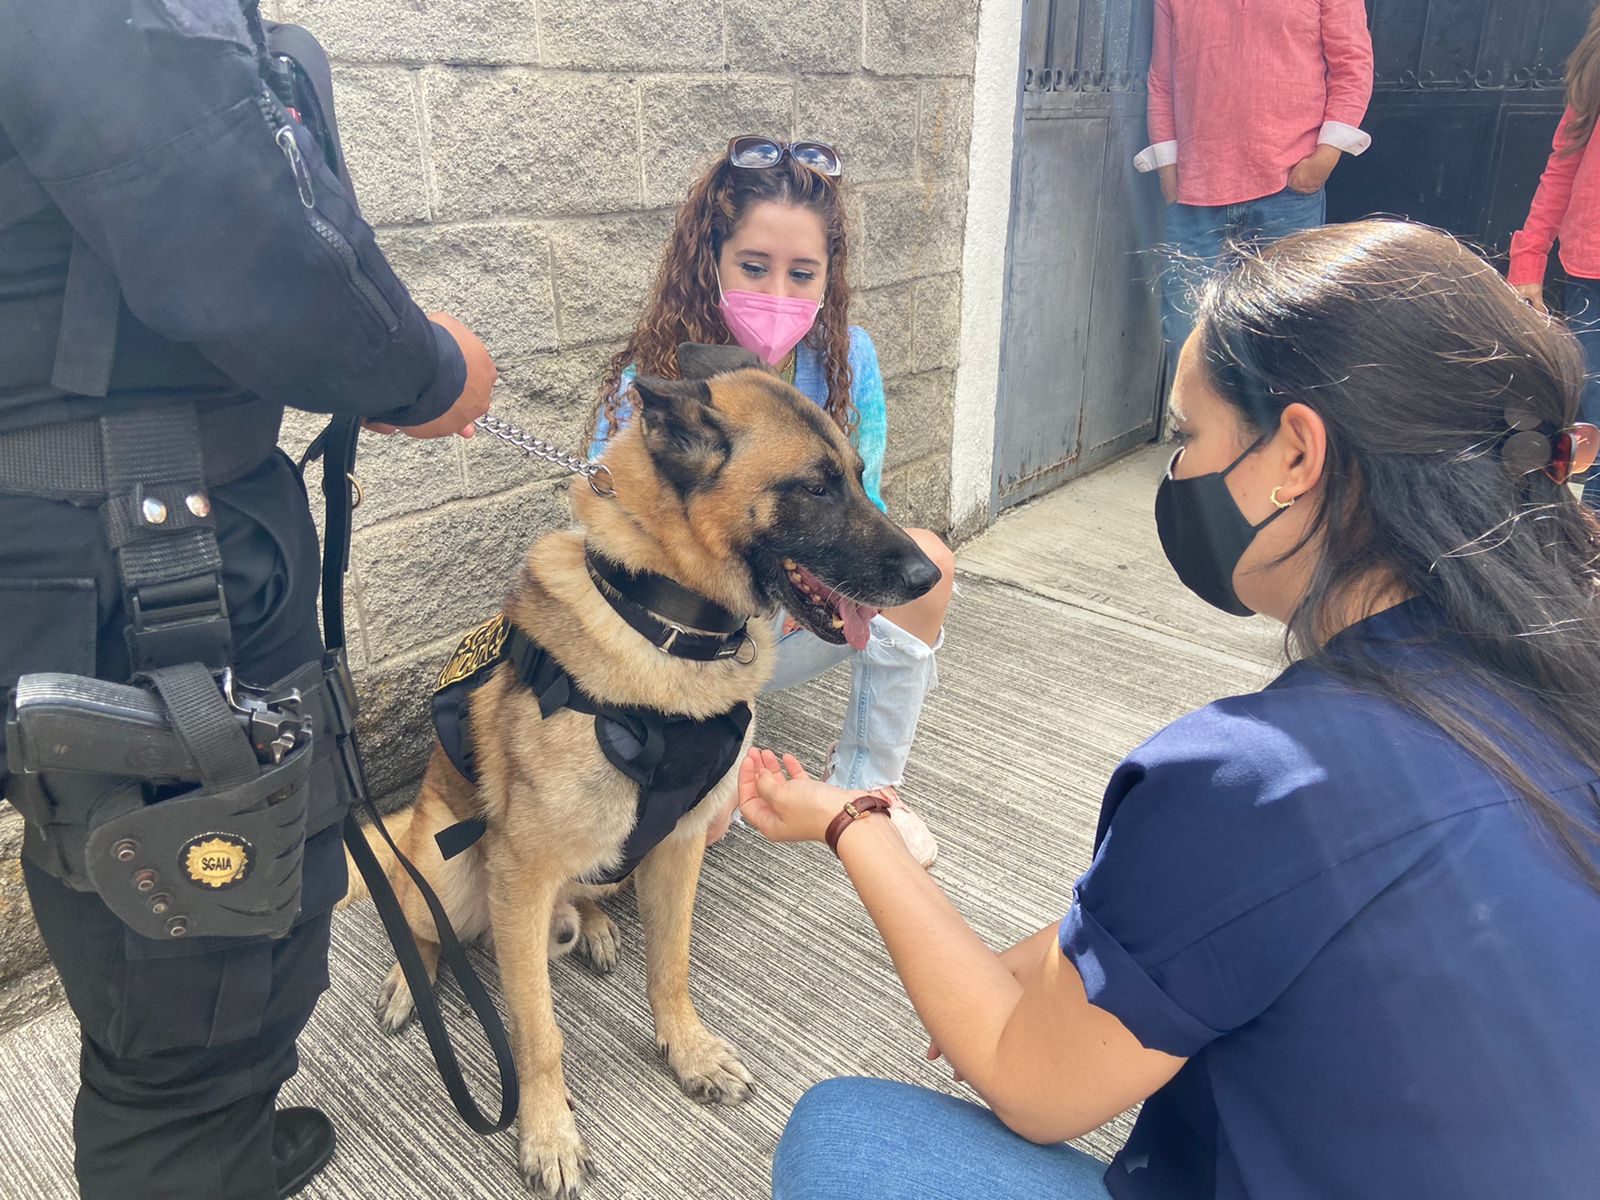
(784, 803)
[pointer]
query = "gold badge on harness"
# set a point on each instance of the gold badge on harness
(216, 860)
(477, 650)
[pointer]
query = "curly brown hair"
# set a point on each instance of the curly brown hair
(683, 305)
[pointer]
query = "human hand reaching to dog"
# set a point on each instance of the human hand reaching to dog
(783, 802)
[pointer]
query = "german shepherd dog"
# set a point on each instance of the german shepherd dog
(734, 485)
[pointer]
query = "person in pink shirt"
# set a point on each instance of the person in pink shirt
(1252, 103)
(1566, 208)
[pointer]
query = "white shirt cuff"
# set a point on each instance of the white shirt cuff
(1162, 154)
(1344, 137)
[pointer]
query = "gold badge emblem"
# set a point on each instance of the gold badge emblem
(477, 650)
(216, 860)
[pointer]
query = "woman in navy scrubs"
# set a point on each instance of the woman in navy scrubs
(1341, 936)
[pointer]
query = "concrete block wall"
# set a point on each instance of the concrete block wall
(522, 159)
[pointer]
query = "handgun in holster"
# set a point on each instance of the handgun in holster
(183, 804)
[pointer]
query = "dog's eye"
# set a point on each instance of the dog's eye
(817, 489)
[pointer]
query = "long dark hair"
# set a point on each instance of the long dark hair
(683, 305)
(1583, 87)
(1411, 348)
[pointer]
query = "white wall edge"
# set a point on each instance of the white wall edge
(996, 72)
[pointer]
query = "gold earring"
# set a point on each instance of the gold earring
(1282, 504)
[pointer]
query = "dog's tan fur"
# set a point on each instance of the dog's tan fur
(557, 810)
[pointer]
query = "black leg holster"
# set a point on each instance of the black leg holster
(185, 799)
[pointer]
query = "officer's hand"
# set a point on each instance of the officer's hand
(474, 399)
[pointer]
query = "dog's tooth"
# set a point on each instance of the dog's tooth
(788, 564)
(838, 622)
(795, 577)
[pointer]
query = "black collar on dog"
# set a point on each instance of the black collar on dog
(668, 615)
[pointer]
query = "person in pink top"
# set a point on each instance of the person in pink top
(1252, 104)
(1566, 208)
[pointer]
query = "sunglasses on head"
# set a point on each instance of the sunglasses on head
(754, 153)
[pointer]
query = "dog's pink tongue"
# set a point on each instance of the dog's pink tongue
(856, 619)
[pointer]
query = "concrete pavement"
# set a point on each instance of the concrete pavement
(1070, 641)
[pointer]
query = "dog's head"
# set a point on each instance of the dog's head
(768, 490)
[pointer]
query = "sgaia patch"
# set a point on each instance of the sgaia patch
(477, 650)
(217, 860)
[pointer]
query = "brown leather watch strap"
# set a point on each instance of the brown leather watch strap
(852, 812)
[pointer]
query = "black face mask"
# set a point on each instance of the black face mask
(1204, 534)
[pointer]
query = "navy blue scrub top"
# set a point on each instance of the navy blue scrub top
(1384, 974)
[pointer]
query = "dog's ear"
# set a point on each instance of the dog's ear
(698, 361)
(682, 431)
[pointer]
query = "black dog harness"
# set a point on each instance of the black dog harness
(674, 760)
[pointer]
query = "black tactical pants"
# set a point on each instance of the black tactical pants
(184, 1044)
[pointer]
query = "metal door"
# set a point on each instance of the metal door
(1081, 364)
(1466, 99)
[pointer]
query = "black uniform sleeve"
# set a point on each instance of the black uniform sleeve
(150, 127)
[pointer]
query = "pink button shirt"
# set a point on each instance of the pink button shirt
(1566, 206)
(1242, 90)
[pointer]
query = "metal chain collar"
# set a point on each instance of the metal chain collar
(537, 447)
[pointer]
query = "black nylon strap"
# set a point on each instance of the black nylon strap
(90, 311)
(338, 461)
(422, 988)
(65, 461)
(166, 552)
(461, 837)
(205, 725)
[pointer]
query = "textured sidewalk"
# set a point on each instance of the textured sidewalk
(1070, 642)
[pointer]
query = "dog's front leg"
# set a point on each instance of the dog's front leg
(552, 1156)
(707, 1067)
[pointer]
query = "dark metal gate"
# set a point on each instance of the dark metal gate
(1467, 97)
(1081, 364)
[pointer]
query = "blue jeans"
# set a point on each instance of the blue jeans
(1583, 318)
(1200, 239)
(848, 1139)
(889, 680)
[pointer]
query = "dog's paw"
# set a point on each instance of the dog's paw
(599, 943)
(564, 928)
(708, 1070)
(554, 1162)
(394, 1005)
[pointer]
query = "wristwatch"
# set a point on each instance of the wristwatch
(853, 811)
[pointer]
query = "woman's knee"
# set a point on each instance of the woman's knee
(808, 1164)
(941, 556)
(823, 1103)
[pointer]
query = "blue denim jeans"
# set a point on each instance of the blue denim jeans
(889, 680)
(1200, 239)
(853, 1138)
(1583, 318)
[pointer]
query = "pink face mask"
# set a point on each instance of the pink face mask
(770, 326)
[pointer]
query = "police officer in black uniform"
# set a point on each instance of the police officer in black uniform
(180, 258)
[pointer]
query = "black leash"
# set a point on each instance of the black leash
(337, 445)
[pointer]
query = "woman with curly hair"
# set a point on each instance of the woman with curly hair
(758, 257)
